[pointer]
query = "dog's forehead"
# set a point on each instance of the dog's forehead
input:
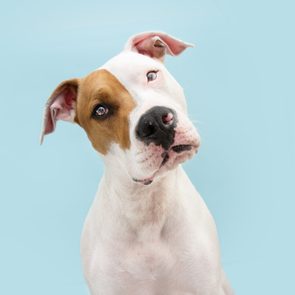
(130, 68)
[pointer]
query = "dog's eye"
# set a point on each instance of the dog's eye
(151, 75)
(101, 111)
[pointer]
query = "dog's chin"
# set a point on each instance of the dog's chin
(176, 155)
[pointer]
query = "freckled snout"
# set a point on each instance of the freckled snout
(157, 126)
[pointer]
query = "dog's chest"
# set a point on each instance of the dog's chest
(142, 253)
(147, 260)
(150, 263)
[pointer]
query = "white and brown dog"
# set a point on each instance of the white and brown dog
(148, 231)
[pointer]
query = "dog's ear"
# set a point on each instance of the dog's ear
(156, 44)
(61, 105)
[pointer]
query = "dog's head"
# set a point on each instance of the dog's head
(132, 109)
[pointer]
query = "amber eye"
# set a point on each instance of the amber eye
(151, 75)
(101, 111)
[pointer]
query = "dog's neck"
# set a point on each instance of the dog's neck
(142, 206)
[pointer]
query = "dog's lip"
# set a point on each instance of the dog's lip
(179, 148)
(149, 180)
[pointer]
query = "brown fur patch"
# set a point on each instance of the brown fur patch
(102, 87)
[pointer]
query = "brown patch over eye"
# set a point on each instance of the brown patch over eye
(103, 108)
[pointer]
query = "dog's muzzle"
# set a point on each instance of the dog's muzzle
(157, 126)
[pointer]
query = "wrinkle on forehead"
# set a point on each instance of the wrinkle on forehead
(103, 87)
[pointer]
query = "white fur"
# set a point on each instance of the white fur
(158, 239)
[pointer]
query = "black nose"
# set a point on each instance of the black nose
(157, 125)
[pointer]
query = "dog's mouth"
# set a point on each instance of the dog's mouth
(166, 155)
(182, 147)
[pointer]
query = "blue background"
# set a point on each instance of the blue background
(239, 82)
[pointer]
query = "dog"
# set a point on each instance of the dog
(148, 231)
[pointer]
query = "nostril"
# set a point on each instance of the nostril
(167, 118)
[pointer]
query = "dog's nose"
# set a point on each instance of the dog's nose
(157, 125)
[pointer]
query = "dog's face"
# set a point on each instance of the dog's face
(132, 109)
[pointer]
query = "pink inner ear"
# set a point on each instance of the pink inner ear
(63, 106)
(60, 106)
(69, 96)
(148, 47)
(145, 44)
(176, 46)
